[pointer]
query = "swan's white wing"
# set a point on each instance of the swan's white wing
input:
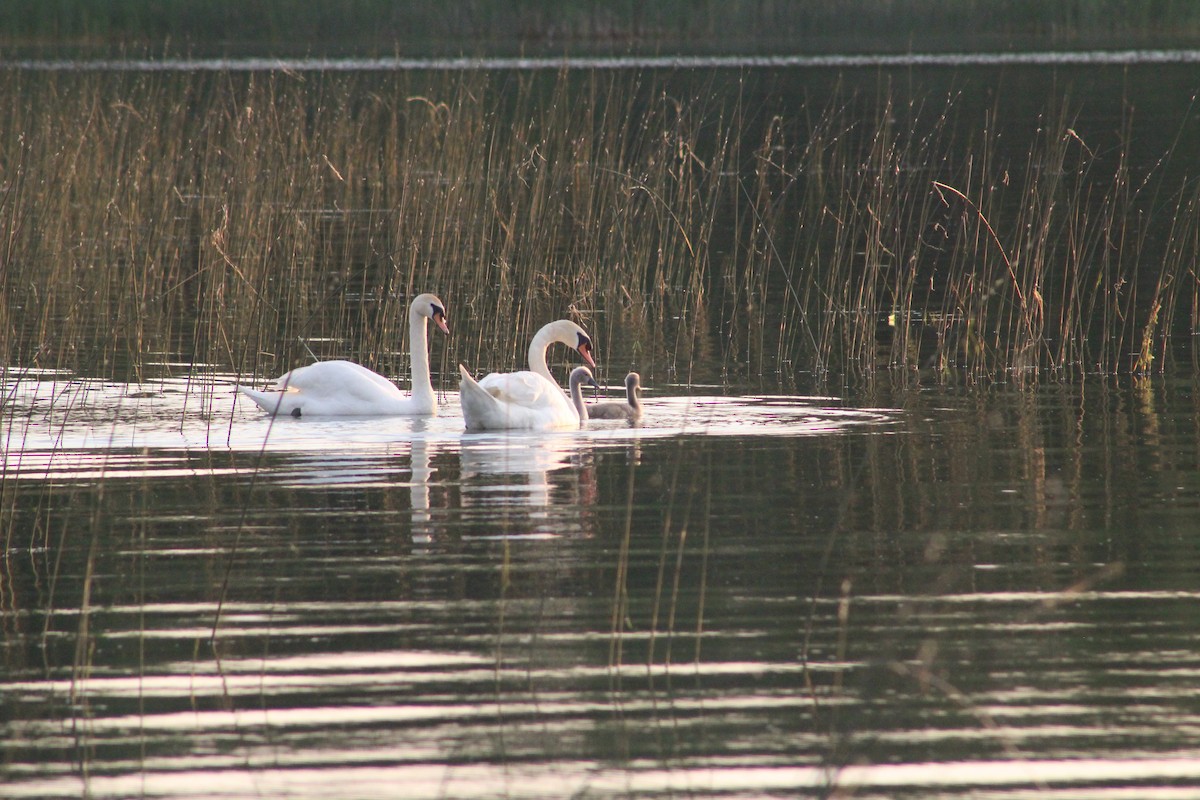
(338, 377)
(521, 388)
(514, 401)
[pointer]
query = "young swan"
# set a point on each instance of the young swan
(580, 376)
(630, 410)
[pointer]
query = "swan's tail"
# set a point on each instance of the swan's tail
(258, 397)
(476, 401)
(273, 402)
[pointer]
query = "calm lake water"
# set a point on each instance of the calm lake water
(910, 593)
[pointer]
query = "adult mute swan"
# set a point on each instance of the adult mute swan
(343, 388)
(630, 410)
(528, 400)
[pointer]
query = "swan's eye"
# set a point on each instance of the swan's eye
(438, 311)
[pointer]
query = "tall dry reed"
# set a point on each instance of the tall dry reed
(234, 223)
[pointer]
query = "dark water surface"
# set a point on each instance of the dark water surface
(911, 593)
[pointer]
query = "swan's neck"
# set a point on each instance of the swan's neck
(577, 400)
(537, 361)
(631, 396)
(422, 386)
(537, 354)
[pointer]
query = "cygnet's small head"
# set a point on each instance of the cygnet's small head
(633, 382)
(428, 305)
(582, 375)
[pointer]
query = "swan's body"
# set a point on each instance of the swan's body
(343, 388)
(630, 410)
(526, 400)
(580, 376)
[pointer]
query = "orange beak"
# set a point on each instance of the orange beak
(440, 321)
(586, 352)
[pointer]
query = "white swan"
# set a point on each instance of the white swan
(580, 376)
(344, 388)
(630, 410)
(528, 400)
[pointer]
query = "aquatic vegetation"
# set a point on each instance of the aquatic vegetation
(234, 223)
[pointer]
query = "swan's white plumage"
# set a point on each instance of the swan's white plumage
(343, 388)
(529, 399)
(526, 401)
(332, 388)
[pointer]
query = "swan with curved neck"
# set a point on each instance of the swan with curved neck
(530, 399)
(630, 410)
(343, 388)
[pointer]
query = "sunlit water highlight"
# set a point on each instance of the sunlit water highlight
(745, 596)
(89, 430)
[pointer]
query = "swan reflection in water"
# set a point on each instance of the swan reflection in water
(527, 484)
(382, 462)
(507, 483)
(422, 472)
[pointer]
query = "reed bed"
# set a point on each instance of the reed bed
(241, 223)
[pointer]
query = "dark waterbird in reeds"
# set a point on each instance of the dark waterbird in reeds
(528, 399)
(630, 410)
(343, 388)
